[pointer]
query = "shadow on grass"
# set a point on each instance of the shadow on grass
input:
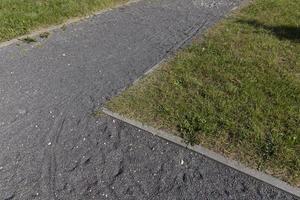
(282, 32)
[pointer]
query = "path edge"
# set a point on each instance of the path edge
(70, 21)
(268, 179)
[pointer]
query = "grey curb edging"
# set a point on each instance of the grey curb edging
(68, 22)
(210, 154)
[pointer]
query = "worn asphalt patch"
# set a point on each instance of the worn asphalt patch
(52, 147)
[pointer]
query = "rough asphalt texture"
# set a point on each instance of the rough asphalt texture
(52, 147)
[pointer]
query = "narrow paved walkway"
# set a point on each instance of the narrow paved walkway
(52, 147)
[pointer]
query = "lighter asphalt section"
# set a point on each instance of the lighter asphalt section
(52, 146)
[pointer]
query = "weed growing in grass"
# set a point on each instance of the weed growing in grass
(268, 147)
(189, 127)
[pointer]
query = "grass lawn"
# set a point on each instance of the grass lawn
(235, 91)
(18, 17)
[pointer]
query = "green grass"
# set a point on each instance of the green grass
(236, 91)
(19, 17)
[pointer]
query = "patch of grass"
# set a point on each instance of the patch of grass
(237, 91)
(28, 40)
(18, 17)
(44, 35)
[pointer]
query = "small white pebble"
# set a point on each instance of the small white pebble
(49, 143)
(181, 162)
(64, 54)
(22, 111)
(84, 139)
(114, 121)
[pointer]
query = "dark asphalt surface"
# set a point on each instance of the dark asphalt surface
(52, 147)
